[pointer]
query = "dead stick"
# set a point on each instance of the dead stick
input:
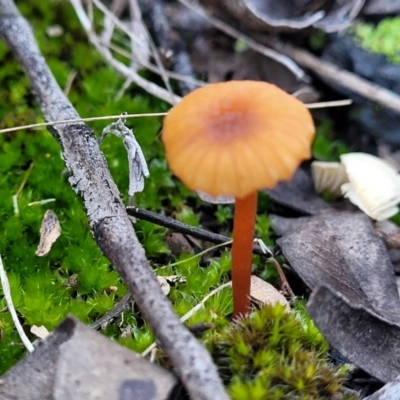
(203, 234)
(340, 77)
(177, 226)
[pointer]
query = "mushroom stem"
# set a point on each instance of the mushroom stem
(242, 252)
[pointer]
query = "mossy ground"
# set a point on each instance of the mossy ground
(380, 38)
(75, 278)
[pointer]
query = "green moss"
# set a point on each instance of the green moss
(273, 354)
(382, 38)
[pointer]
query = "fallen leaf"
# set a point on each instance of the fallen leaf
(343, 251)
(362, 336)
(264, 293)
(391, 391)
(178, 244)
(299, 195)
(50, 230)
(75, 362)
(39, 331)
(165, 287)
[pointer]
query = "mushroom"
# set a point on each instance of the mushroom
(329, 176)
(374, 185)
(233, 139)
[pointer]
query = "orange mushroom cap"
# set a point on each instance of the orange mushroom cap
(236, 137)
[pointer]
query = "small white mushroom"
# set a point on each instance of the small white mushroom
(369, 182)
(374, 185)
(328, 176)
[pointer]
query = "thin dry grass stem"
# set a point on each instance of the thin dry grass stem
(189, 314)
(328, 104)
(136, 18)
(90, 119)
(70, 80)
(20, 188)
(123, 69)
(153, 68)
(41, 202)
(7, 295)
(285, 284)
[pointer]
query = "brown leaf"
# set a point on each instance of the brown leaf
(342, 250)
(299, 195)
(50, 230)
(362, 336)
(264, 293)
(74, 362)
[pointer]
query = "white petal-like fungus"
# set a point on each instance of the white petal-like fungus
(374, 185)
(328, 176)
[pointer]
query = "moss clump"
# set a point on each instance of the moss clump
(273, 354)
(382, 38)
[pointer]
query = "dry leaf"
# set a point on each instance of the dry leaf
(75, 362)
(366, 339)
(264, 293)
(178, 244)
(165, 287)
(39, 331)
(50, 230)
(355, 302)
(342, 250)
(299, 195)
(391, 391)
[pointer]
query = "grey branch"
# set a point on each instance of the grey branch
(341, 77)
(108, 220)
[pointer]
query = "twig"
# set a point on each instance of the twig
(109, 223)
(123, 69)
(178, 226)
(341, 77)
(7, 295)
(137, 18)
(259, 247)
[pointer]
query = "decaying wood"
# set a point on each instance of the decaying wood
(108, 220)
